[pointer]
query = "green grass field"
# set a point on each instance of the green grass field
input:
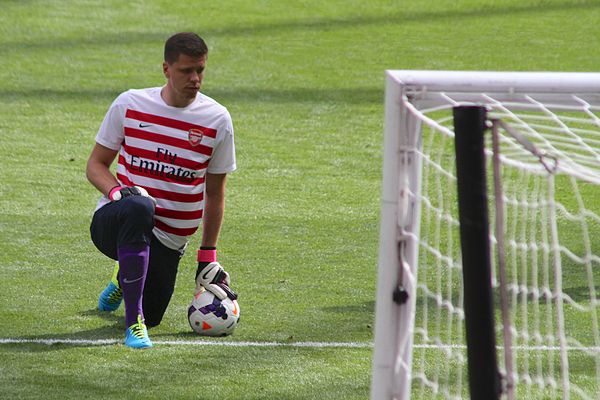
(304, 84)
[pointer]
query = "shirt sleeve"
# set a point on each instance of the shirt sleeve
(111, 133)
(223, 158)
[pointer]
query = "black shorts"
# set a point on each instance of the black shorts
(130, 221)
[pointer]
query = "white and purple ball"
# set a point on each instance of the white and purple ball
(209, 316)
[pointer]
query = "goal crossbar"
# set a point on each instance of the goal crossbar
(503, 82)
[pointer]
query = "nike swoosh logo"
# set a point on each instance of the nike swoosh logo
(144, 125)
(125, 280)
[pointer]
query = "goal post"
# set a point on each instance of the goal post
(397, 249)
(548, 156)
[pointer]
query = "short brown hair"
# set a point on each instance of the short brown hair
(187, 43)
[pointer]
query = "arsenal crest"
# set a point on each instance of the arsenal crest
(195, 136)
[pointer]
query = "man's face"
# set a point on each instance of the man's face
(185, 75)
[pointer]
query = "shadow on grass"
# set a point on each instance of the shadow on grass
(108, 316)
(46, 95)
(313, 24)
(582, 294)
(229, 96)
(367, 307)
(87, 338)
(402, 17)
(109, 335)
(345, 96)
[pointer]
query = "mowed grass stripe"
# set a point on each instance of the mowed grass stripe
(348, 345)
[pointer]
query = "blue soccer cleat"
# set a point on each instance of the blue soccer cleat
(111, 297)
(136, 336)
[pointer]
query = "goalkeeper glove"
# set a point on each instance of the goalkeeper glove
(119, 192)
(211, 276)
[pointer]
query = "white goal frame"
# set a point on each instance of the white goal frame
(400, 214)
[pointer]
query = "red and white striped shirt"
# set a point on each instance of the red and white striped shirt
(168, 150)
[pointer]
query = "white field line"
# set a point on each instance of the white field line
(347, 345)
(104, 342)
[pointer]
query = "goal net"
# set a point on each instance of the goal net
(544, 236)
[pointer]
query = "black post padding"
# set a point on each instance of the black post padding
(469, 128)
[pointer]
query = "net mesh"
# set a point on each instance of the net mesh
(550, 168)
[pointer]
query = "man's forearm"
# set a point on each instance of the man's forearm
(98, 169)
(101, 178)
(212, 221)
(214, 208)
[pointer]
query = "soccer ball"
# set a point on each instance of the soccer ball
(209, 316)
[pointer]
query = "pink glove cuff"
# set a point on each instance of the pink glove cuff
(113, 191)
(207, 255)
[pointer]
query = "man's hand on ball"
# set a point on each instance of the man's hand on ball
(120, 192)
(215, 279)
